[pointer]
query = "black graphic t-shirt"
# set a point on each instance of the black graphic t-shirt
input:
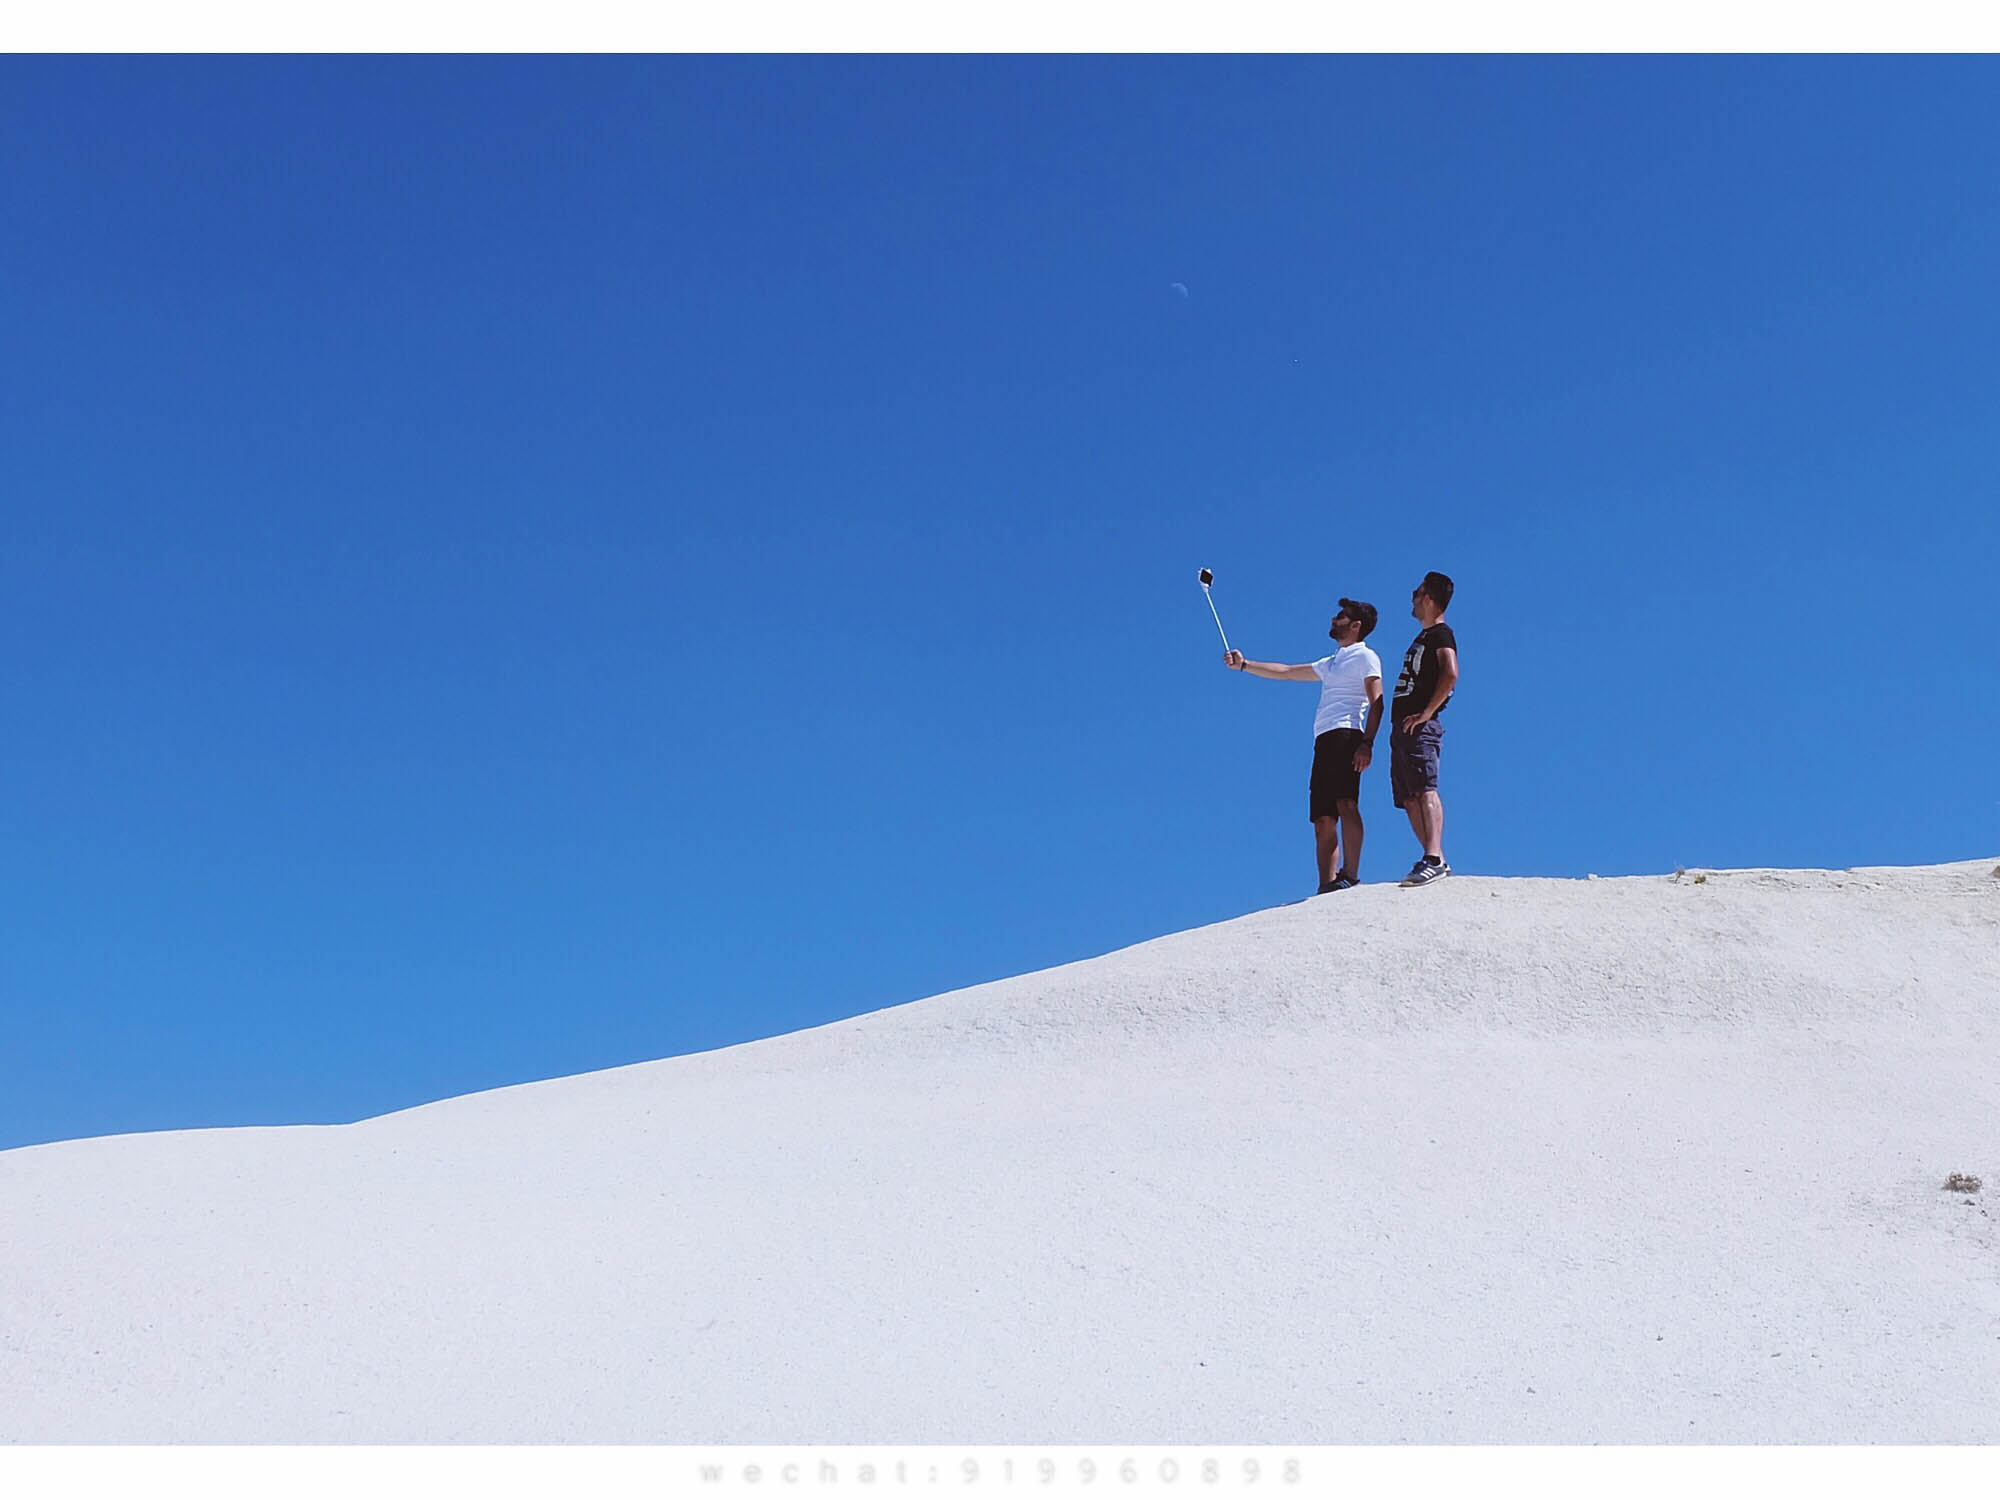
(1419, 677)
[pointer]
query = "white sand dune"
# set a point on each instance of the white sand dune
(1634, 1160)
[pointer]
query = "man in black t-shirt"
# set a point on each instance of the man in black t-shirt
(1416, 735)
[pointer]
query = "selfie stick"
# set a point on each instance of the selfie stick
(1206, 579)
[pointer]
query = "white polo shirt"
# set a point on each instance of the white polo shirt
(1343, 692)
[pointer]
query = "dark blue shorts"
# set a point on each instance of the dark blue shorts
(1413, 761)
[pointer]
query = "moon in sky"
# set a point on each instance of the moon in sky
(1179, 286)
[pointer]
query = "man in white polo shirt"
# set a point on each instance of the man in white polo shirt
(1350, 713)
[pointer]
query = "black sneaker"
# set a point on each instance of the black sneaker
(1343, 882)
(1423, 872)
(1327, 885)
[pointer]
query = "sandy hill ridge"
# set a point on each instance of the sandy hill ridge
(1651, 1159)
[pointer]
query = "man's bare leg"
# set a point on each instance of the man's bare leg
(1327, 832)
(1350, 840)
(1433, 834)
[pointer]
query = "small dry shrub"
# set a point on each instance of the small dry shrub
(1958, 1182)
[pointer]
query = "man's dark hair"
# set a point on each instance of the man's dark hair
(1438, 586)
(1361, 614)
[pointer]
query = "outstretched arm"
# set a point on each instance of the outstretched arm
(1276, 671)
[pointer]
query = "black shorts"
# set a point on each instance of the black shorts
(1413, 761)
(1334, 779)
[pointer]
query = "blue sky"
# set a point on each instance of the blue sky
(519, 566)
